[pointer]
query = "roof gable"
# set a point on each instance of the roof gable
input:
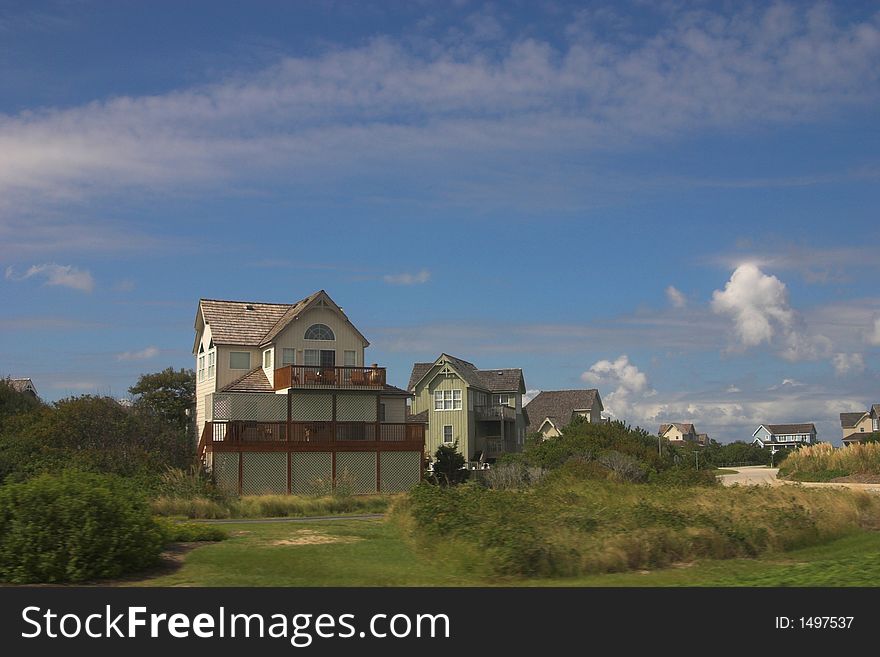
(559, 405)
(255, 324)
(495, 380)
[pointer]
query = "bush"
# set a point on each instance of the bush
(74, 527)
(182, 532)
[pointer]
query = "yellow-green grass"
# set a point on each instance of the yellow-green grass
(269, 506)
(823, 462)
(574, 527)
(374, 553)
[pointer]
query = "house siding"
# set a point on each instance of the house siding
(293, 337)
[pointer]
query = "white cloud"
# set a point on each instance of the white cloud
(676, 297)
(848, 363)
(63, 275)
(391, 106)
(873, 336)
(759, 306)
(530, 395)
(143, 354)
(732, 389)
(630, 383)
(408, 279)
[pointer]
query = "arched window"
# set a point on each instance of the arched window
(319, 332)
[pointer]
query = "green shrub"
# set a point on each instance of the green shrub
(182, 532)
(74, 527)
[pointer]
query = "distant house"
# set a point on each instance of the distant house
(481, 410)
(552, 410)
(679, 433)
(855, 426)
(25, 386)
(776, 437)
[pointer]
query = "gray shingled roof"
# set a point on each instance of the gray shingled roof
(251, 323)
(876, 409)
(558, 405)
(684, 427)
(418, 417)
(21, 385)
(253, 381)
(781, 429)
(497, 380)
(848, 420)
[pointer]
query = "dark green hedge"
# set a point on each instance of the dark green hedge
(74, 527)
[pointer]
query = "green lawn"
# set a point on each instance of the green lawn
(372, 553)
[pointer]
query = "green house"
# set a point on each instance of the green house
(481, 410)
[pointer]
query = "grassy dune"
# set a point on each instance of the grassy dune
(573, 527)
(822, 462)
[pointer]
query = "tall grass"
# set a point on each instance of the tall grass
(567, 527)
(823, 462)
(268, 506)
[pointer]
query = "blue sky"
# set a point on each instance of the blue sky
(673, 202)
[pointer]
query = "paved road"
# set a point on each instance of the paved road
(758, 475)
(755, 475)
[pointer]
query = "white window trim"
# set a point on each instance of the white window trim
(284, 352)
(332, 332)
(451, 436)
(267, 355)
(201, 368)
(212, 363)
(443, 399)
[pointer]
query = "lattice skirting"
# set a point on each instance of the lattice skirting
(264, 474)
(311, 473)
(357, 471)
(225, 468)
(399, 471)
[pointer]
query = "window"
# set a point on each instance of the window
(311, 356)
(501, 399)
(201, 368)
(447, 434)
(267, 358)
(319, 332)
(211, 363)
(288, 356)
(381, 411)
(350, 358)
(447, 400)
(239, 360)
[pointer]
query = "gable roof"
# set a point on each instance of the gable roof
(848, 420)
(498, 380)
(558, 406)
(784, 429)
(875, 409)
(254, 324)
(684, 427)
(22, 385)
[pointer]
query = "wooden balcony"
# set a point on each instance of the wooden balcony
(495, 412)
(247, 436)
(314, 376)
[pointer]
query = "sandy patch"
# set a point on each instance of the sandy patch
(312, 537)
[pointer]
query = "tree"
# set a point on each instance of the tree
(448, 462)
(169, 394)
(13, 402)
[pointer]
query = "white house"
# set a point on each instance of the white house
(777, 437)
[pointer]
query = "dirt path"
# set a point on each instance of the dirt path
(759, 475)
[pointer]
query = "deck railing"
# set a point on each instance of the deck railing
(309, 376)
(495, 412)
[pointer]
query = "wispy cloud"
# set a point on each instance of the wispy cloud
(848, 363)
(390, 107)
(408, 279)
(143, 354)
(872, 337)
(676, 297)
(62, 275)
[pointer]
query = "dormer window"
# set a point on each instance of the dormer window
(201, 363)
(319, 332)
